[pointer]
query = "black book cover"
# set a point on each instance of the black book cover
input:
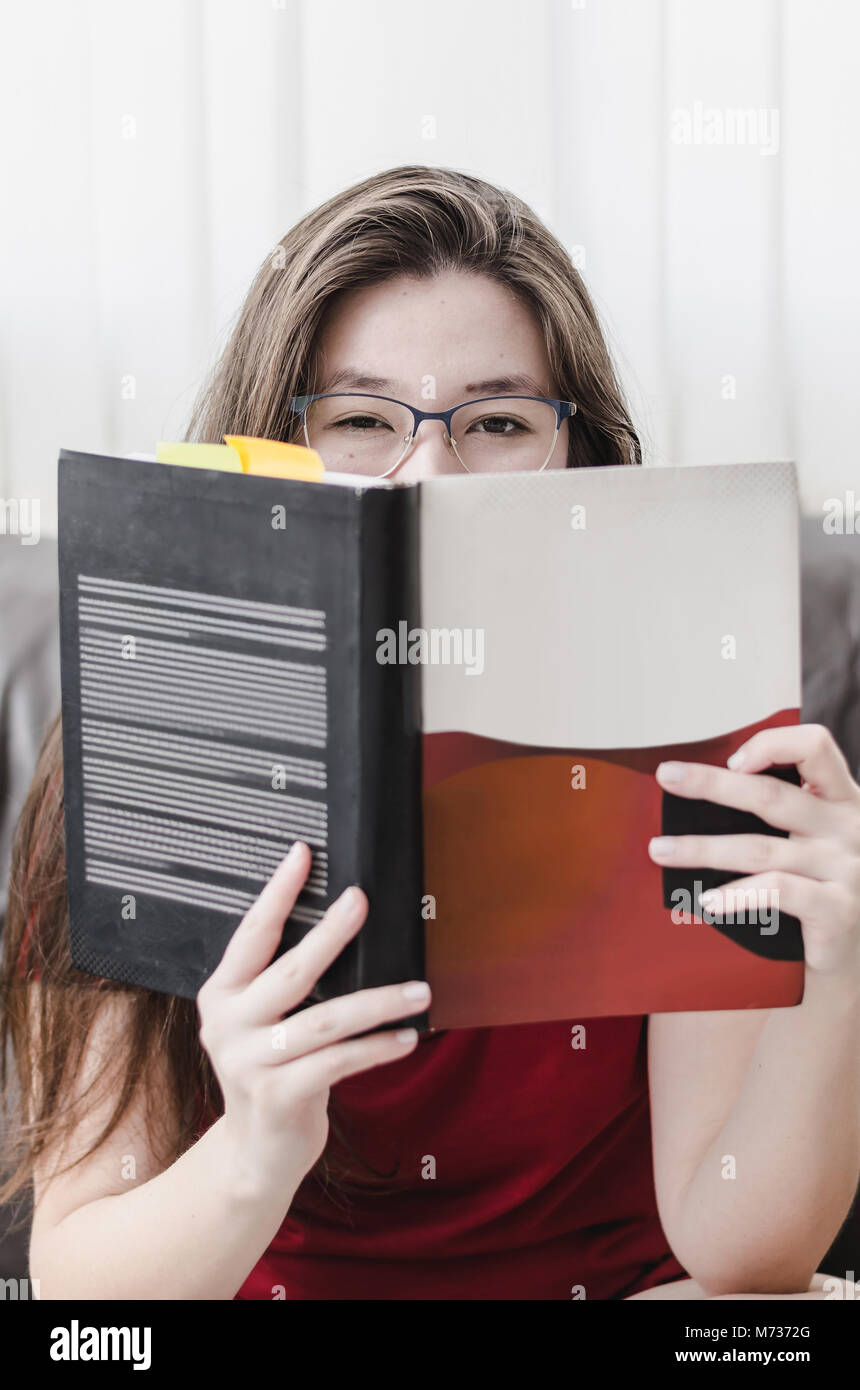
(221, 699)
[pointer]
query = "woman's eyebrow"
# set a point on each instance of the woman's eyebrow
(493, 386)
(501, 385)
(359, 381)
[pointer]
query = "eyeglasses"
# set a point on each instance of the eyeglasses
(361, 433)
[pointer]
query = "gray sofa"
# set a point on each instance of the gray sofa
(29, 696)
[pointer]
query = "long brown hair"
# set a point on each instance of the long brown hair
(413, 220)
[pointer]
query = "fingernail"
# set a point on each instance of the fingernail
(406, 1035)
(295, 851)
(671, 772)
(416, 990)
(736, 760)
(350, 900)
(662, 846)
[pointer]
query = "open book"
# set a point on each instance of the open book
(455, 691)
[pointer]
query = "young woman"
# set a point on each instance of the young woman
(178, 1155)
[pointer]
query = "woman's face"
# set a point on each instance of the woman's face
(435, 343)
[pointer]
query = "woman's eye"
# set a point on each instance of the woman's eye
(498, 424)
(359, 422)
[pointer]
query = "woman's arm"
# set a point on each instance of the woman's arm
(119, 1224)
(193, 1231)
(115, 1226)
(756, 1131)
(756, 1114)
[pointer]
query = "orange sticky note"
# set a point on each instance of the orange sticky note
(271, 458)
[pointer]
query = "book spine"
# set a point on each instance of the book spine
(391, 943)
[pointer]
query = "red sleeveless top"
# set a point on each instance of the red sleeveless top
(523, 1171)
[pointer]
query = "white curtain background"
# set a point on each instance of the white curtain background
(153, 153)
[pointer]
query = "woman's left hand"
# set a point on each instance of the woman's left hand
(815, 872)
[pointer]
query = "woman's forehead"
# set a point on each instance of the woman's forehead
(469, 333)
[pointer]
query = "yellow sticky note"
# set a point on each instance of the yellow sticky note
(200, 456)
(271, 458)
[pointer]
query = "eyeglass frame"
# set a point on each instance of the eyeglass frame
(564, 410)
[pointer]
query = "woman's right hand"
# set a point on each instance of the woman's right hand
(276, 1073)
